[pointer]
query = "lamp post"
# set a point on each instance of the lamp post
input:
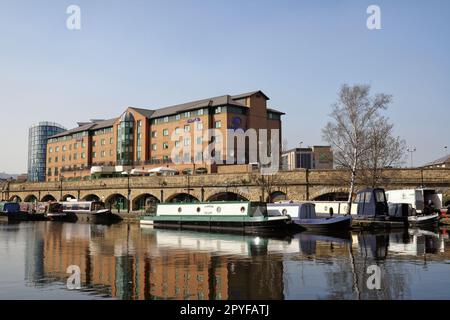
(411, 151)
(300, 143)
(445, 148)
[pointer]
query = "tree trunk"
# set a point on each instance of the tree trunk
(350, 194)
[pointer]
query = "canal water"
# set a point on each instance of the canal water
(125, 261)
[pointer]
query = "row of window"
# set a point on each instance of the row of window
(187, 128)
(64, 148)
(63, 158)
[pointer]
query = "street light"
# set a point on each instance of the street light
(411, 151)
(301, 142)
(445, 148)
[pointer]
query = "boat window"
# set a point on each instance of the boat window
(96, 206)
(379, 195)
(367, 197)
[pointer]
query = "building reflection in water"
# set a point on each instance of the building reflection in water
(127, 262)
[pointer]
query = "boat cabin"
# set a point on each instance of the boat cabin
(371, 203)
(9, 207)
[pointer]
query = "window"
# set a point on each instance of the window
(200, 112)
(111, 153)
(199, 140)
(103, 142)
(166, 158)
(218, 139)
(165, 132)
(165, 145)
(111, 140)
(94, 143)
(56, 159)
(154, 134)
(218, 155)
(64, 148)
(75, 156)
(177, 117)
(218, 124)
(177, 130)
(177, 144)
(83, 155)
(166, 119)
(83, 145)
(187, 128)
(218, 110)
(187, 141)
(103, 154)
(94, 154)
(154, 147)
(75, 145)
(187, 114)
(50, 160)
(57, 149)
(199, 156)
(50, 150)
(199, 125)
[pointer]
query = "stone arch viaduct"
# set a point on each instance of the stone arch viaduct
(295, 185)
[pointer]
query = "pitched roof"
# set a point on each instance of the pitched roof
(248, 94)
(275, 111)
(96, 125)
(442, 160)
(211, 102)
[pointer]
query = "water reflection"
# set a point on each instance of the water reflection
(128, 262)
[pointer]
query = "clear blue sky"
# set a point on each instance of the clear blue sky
(158, 53)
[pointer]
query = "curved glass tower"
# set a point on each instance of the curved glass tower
(37, 148)
(125, 140)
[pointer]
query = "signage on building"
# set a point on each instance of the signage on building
(194, 120)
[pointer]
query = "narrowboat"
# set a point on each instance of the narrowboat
(243, 216)
(304, 215)
(12, 211)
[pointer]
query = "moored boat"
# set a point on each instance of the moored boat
(304, 215)
(241, 216)
(12, 210)
(90, 211)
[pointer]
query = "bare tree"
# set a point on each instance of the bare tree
(348, 132)
(385, 151)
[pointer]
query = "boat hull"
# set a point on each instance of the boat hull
(337, 223)
(270, 224)
(418, 221)
(62, 217)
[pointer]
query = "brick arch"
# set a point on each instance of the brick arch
(181, 194)
(209, 193)
(135, 202)
(233, 196)
(48, 197)
(90, 197)
(67, 196)
(324, 191)
(15, 198)
(31, 198)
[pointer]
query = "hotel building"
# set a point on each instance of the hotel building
(142, 139)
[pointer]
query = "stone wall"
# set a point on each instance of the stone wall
(297, 185)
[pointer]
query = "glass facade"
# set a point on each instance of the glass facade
(125, 140)
(37, 148)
